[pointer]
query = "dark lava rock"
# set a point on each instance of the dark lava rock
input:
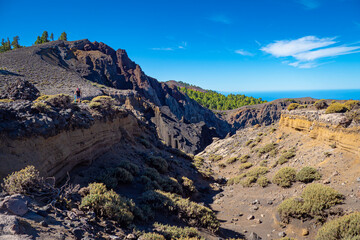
(21, 89)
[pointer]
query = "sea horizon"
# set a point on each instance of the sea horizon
(338, 94)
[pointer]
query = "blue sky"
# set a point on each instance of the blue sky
(239, 45)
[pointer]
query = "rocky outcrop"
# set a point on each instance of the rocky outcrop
(335, 129)
(21, 89)
(61, 67)
(263, 114)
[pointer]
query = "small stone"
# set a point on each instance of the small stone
(250, 217)
(240, 214)
(255, 208)
(327, 181)
(78, 233)
(262, 215)
(304, 232)
(282, 234)
(270, 202)
(358, 179)
(255, 202)
(44, 224)
(235, 219)
(258, 221)
(254, 236)
(130, 237)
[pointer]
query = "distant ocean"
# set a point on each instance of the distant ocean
(319, 94)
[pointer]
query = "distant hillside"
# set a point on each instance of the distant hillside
(181, 84)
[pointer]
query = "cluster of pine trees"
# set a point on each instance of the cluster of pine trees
(217, 101)
(7, 45)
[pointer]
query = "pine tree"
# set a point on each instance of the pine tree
(44, 37)
(52, 37)
(38, 40)
(15, 43)
(8, 45)
(63, 36)
(2, 47)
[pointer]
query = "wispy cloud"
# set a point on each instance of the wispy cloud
(219, 18)
(307, 50)
(181, 45)
(163, 49)
(309, 4)
(243, 52)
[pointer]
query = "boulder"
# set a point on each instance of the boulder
(15, 204)
(21, 89)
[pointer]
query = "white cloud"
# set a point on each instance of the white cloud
(309, 4)
(326, 52)
(285, 48)
(219, 18)
(163, 49)
(307, 50)
(243, 52)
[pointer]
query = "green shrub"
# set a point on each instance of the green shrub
(111, 177)
(174, 232)
(293, 106)
(284, 158)
(249, 142)
(245, 165)
(267, 148)
(345, 227)
(188, 185)
(235, 180)
(262, 181)
(41, 107)
(320, 104)
(336, 108)
(23, 181)
(109, 204)
(314, 200)
(215, 158)
(351, 104)
(285, 177)
(199, 165)
(263, 163)
(102, 103)
(192, 213)
(130, 167)
(248, 181)
(152, 236)
(158, 163)
(231, 160)
(158, 182)
(85, 101)
(244, 158)
(257, 172)
(5, 100)
(307, 175)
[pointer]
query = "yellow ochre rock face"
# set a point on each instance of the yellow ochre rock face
(345, 138)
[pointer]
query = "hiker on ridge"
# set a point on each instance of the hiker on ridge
(77, 94)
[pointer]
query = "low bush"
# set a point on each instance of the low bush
(266, 149)
(320, 104)
(245, 165)
(249, 142)
(307, 175)
(152, 236)
(41, 107)
(262, 181)
(248, 181)
(351, 104)
(174, 232)
(23, 181)
(336, 108)
(130, 167)
(109, 204)
(345, 227)
(286, 156)
(263, 163)
(244, 158)
(235, 180)
(285, 177)
(313, 201)
(157, 181)
(188, 185)
(111, 177)
(85, 101)
(158, 163)
(231, 160)
(293, 106)
(102, 103)
(192, 213)
(257, 172)
(215, 158)
(6, 100)
(199, 165)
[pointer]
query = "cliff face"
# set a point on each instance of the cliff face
(330, 128)
(97, 69)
